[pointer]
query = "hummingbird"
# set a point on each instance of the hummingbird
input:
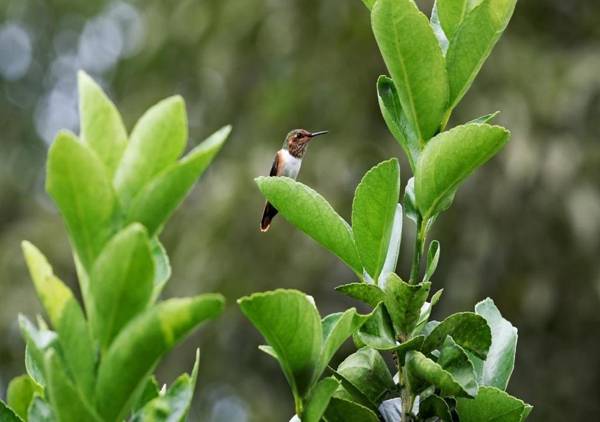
(287, 163)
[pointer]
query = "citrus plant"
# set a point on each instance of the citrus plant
(115, 192)
(454, 370)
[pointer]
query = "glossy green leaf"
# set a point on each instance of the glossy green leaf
(101, 124)
(468, 329)
(433, 257)
(396, 120)
(485, 119)
(410, 202)
(157, 200)
(291, 324)
(20, 394)
(436, 25)
(415, 62)
(403, 301)
(434, 406)
(157, 140)
(162, 267)
(492, 405)
(454, 359)
(341, 410)
(426, 310)
(449, 158)
(151, 390)
(79, 184)
(451, 13)
(319, 399)
(68, 403)
(367, 372)
(7, 414)
(369, 3)
(136, 350)
(415, 343)
(40, 411)
(311, 213)
(66, 316)
(423, 371)
(495, 371)
(367, 293)
(174, 404)
(336, 330)
(37, 341)
(473, 43)
(373, 211)
(377, 332)
(121, 282)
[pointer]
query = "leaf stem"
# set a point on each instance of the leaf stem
(419, 242)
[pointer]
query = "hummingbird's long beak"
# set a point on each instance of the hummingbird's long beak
(322, 132)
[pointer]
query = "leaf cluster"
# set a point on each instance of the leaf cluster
(94, 361)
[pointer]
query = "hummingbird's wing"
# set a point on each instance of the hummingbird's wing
(270, 211)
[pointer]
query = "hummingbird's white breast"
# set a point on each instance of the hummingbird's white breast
(291, 164)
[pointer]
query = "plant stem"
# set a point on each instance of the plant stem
(419, 241)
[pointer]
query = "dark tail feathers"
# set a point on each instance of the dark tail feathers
(268, 214)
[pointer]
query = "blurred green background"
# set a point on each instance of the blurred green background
(524, 230)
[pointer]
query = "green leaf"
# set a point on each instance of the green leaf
(67, 401)
(410, 202)
(341, 410)
(157, 140)
(367, 372)
(336, 329)
(373, 211)
(436, 25)
(473, 43)
(415, 343)
(451, 14)
(7, 414)
(151, 390)
(492, 405)
(449, 158)
(403, 301)
(369, 3)
(40, 411)
(495, 371)
(426, 310)
(396, 120)
(20, 394)
(367, 293)
(121, 282)
(423, 371)
(311, 213)
(468, 329)
(38, 341)
(101, 124)
(79, 184)
(291, 324)
(455, 360)
(157, 200)
(319, 399)
(174, 404)
(391, 259)
(377, 332)
(66, 317)
(433, 257)
(485, 119)
(434, 406)
(137, 349)
(414, 59)
(162, 267)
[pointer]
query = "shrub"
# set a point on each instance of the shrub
(456, 369)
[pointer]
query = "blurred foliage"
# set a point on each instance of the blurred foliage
(531, 242)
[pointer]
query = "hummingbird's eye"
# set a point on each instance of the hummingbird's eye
(298, 135)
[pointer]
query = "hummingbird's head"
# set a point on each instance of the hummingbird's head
(298, 139)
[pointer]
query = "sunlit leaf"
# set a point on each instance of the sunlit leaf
(311, 213)
(20, 393)
(491, 405)
(415, 62)
(100, 122)
(373, 212)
